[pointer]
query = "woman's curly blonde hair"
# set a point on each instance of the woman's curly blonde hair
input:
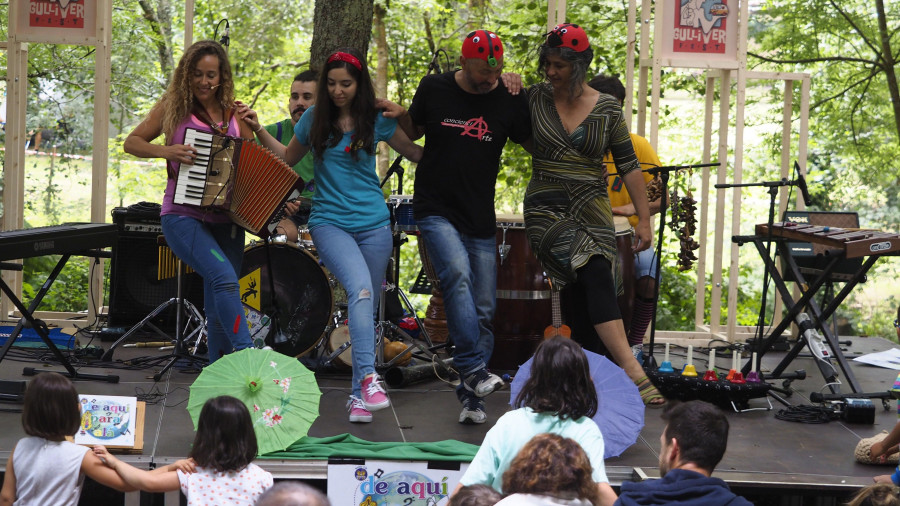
(178, 100)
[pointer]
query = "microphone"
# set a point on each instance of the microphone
(225, 40)
(801, 183)
(434, 65)
(395, 167)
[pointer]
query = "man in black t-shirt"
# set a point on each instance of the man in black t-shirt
(466, 117)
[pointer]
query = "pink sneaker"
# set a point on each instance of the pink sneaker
(358, 412)
(373, 395)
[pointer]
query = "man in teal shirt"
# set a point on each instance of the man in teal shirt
(303, 96)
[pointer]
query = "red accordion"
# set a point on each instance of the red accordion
(239, 176)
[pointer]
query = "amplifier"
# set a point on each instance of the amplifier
(134, 285)
(810, 258)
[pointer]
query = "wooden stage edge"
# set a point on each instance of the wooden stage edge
(770, 461)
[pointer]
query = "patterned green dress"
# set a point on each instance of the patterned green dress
(567, 212)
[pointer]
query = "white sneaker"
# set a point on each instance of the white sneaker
(473, 412)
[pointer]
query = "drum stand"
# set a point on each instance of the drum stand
(189, 328)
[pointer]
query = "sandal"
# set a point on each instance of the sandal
(649, 394)
(862, 451)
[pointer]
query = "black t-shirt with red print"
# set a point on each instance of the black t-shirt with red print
(464, 138)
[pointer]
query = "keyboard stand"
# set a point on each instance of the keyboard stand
(807, 300)
(40, 327)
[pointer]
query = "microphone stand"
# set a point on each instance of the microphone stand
(663, 173)
(773, 187)
(398, 169)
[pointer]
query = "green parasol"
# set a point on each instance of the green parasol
(281, 394)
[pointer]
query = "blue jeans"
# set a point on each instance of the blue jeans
(215, 251)
(467, 269)
(645, 263)
(359, 260)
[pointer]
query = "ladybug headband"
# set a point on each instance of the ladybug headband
(483, 45)
(568, 35)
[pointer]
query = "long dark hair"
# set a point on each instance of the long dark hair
(225, 439)
(560, 381)
(325, 131)
(51, 407)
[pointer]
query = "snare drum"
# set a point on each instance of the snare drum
(624, 235)
(523, 296)
(401, 207)
(337, 337)
(304, 240)
(301, 305)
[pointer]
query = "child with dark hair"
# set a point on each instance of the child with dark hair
(45, 468)
(223, 452)
(475, 495)
(349, 222)
(559, 397)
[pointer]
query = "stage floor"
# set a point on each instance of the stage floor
(766, 457)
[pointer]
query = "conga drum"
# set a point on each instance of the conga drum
(523, 296)
(435, 321)
(624, 235)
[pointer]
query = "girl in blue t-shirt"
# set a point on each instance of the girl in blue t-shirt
(349, 223)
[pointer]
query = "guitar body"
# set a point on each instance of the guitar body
(557, 328)
(561, 331)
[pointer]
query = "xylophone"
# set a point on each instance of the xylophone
(853, 243)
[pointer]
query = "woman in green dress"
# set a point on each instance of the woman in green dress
(567, 211)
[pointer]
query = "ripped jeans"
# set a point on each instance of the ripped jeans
(359, 260)
(215, 251)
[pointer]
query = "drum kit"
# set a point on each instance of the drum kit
(296, 306)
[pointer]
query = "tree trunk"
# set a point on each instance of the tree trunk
(160, 21)
(381, 78)
(887, 58)
(340, 23)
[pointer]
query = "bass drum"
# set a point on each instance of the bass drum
(292, 291)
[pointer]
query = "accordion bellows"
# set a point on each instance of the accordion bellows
(239, 176)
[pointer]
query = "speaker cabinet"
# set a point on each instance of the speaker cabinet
(135, 289)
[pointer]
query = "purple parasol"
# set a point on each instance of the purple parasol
(620, 414)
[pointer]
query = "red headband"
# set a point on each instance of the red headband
(568, 35)
(346, 57)
(483, 45)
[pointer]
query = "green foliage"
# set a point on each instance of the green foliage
(67, 293)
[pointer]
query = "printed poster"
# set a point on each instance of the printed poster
(700, 28)
(56, 21)
(107, 420)
(56, 13)
(393, 482)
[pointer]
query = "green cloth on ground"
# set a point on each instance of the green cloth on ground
(346, 445)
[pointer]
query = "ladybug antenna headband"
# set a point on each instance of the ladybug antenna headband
(346, 57)
(568, 35)
(483, 45)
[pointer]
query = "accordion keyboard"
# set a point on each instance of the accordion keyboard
(205, 182)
